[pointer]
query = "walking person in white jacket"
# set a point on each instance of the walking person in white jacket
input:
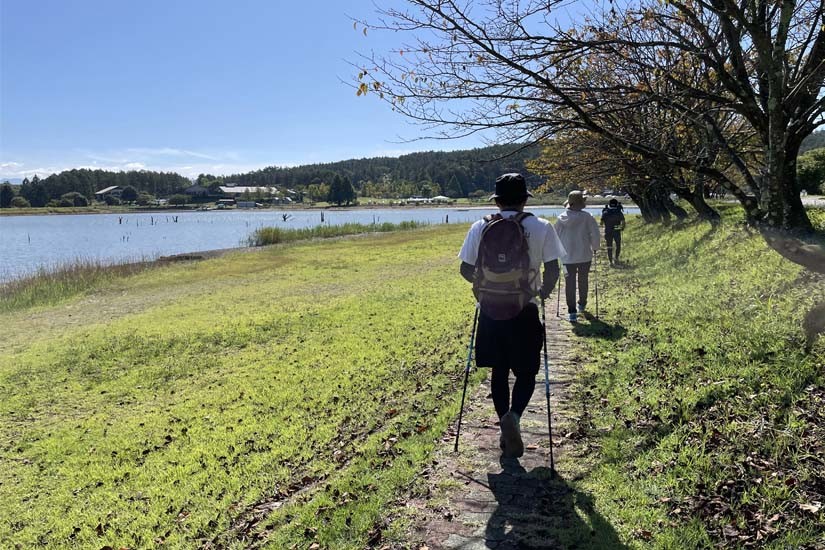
(579, 233)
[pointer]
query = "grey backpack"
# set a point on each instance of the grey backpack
(503, 282)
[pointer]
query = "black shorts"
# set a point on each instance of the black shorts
(514, 344)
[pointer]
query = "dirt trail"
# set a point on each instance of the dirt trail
(479, 500)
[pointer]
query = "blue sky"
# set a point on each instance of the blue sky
(212, 86)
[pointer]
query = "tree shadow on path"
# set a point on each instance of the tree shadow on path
(536, 510)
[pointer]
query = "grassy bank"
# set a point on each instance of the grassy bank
(50, 286)
(304, 384)
(703, 409)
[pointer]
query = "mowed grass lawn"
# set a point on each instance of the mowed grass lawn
(285, 395)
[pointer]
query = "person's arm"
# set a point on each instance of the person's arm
(621, 222)
(469, 252)
(595, 234)
(467, 271)
(551, 276)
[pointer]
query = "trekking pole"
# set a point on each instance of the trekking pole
(558, 296)
(466, 376)
(596, 280)
(547, 389)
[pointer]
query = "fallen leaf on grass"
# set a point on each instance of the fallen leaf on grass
(730, 531)
(812, 508)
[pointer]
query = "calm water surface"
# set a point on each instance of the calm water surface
(28, 243)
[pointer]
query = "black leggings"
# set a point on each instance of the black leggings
(512, 345)
(612, 236)
(576, 273)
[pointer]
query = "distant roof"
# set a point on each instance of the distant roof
(108, 189)
(441, 198)
(244, 189)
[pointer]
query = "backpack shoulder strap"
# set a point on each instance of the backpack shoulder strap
(490, 217)
(521, 216)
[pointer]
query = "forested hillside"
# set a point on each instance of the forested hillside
(39, 192)
(455, 173)
(813, 141)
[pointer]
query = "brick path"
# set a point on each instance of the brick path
(479, 500)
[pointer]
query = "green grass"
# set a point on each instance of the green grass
(697, 393)
(292, 395)
(315, 377)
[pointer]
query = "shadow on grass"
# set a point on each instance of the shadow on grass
(621, 265)
(536, 510)
(597, 328)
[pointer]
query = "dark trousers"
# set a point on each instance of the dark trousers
(611, 237)
(577, 275)
(511, 345)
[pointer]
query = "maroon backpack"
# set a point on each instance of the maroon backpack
(503, 282)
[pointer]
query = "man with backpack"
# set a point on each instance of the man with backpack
(579, 234)
(613, 222)
(502, 256)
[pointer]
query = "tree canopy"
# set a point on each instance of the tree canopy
(737, 84)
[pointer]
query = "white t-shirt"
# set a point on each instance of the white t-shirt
(542, 242)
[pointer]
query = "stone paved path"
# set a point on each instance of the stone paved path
(479, 500)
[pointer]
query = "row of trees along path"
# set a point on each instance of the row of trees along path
(672, 97)
(478, 500)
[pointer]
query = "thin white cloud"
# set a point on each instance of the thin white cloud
(167, 152)
(18, 170)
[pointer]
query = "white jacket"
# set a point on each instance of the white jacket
(579, 234)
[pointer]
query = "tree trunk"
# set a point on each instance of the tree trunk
(644, 208)
(673, 208)
(779, 198)
(704, 210)
(656, 203)
(697, 201)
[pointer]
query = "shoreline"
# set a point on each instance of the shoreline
(11, 212)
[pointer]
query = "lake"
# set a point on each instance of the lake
(31, 242)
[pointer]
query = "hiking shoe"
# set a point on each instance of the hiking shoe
(581, 308)
(572, 317)
(511, 435)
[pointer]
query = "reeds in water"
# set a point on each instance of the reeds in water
(275, 235)
(49, 285)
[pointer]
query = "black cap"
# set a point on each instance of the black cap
(511, 189)
(613, 202)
